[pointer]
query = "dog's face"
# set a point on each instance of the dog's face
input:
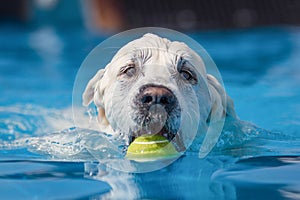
(155, 86)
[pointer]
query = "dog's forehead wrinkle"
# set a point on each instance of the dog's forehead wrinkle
(154, 56)
(146, 45)
(152, 42)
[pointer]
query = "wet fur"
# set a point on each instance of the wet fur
(157, 59)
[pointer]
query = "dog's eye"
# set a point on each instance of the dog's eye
(186, 72)
(187, 75)
(130, 70)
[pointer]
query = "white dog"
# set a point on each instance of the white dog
(154, 85)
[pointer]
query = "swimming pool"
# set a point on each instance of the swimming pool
(260, 70)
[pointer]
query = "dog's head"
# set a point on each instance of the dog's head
(153, 85)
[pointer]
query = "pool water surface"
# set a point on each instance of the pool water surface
(261, 72)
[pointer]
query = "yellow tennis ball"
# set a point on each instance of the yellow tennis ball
(150, 147)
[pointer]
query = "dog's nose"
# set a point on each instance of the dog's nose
(158, 95)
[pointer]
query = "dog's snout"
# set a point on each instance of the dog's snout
(157, 95)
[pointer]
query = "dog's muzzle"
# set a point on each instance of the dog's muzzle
(158, 112)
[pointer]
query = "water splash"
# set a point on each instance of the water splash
(42, 131)
(19, 121)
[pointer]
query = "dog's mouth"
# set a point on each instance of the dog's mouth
(165, 132)
(156, 121)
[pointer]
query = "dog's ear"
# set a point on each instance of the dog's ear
(222, 104)
(92, 88)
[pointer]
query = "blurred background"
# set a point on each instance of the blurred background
(105, 16)
(116, 15)
(44, 42)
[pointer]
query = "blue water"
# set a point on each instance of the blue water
(261, 72)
